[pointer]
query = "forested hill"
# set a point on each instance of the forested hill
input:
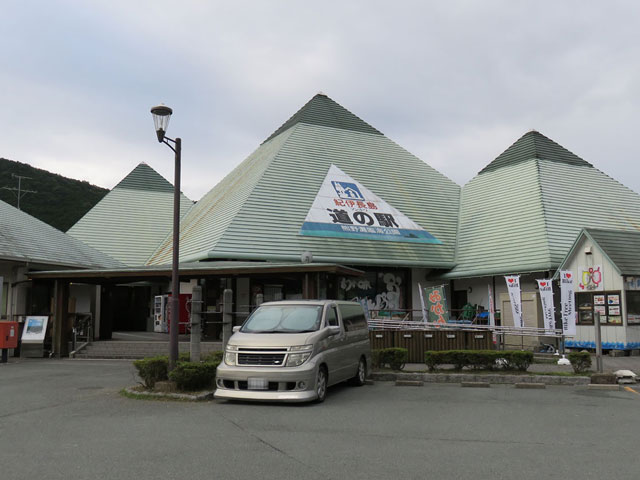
(59, 201)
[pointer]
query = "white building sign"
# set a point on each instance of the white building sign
(345, 208)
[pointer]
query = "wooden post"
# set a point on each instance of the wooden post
(61, 312)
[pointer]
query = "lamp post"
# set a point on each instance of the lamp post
(161, 115)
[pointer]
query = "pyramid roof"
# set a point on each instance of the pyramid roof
(133, 218)
(524, 210)
(24, 238)
(257, 211)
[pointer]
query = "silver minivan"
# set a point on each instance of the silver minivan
(293, 350)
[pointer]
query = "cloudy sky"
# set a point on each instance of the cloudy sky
(454, 82)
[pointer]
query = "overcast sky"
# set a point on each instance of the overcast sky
(453, 82)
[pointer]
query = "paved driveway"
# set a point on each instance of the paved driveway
(63, 419)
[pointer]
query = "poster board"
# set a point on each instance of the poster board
(34, 330)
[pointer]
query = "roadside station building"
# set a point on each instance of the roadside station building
(328, 207)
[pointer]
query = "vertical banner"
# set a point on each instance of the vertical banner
(546, 298)
(425, 315)
(492, 310)
(567, 303)
(437, 304)
(513, 287)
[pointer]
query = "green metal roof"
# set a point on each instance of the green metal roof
(24, 238)
(622, 248)
(323, 111)
(534, 145)
(133, 218)
(523, 215)
(198, 269)
(256, 212)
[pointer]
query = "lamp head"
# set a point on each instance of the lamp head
(161, 115)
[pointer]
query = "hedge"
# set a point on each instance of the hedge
(479, 359)
(394, 357)
(155, 369)
(193, 376)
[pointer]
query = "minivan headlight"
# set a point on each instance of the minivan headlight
(230, 355)
(298, 348)
(295, 359)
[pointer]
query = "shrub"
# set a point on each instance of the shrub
(433, 360)
(152, 370)
(580, 361)
(213, 357)
(375, 358)
(394, 357)
(193, 376)
(517, 360)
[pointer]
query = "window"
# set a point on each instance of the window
(607, 304)
(633, 307)
(353, 317)
(332, 317)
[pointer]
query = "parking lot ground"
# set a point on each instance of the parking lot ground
(63, 419)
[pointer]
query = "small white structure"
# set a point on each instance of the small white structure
(606, 265)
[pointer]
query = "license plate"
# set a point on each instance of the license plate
(257, 384)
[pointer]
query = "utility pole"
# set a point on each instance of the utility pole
(19, 192)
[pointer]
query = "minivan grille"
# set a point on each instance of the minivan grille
(267, 359)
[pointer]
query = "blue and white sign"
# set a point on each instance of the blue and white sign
(345, 208)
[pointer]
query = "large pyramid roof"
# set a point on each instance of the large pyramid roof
(133, 218)
(256, 212)
(523, 211)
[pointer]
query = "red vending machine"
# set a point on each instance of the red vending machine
(183, 318)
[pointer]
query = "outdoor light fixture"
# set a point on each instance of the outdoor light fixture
(161, 115)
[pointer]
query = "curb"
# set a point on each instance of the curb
(602, 386)
(201, 397)
(473, 378)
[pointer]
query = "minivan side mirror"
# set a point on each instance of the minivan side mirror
(237, 328)
(333, 330)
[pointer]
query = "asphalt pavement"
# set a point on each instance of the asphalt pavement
(62, 419)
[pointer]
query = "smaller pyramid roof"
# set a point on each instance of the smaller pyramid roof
(523, 211)
(534, 145)
(133, 218)
(24, 238)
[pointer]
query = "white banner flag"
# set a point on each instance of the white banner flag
(567, 303)
(492, 310)
(546, 298)
(513, 287)
(425, 314)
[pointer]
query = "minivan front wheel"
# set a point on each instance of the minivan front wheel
(321, 385)
(361, 374)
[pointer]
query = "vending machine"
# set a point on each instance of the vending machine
(160, 317)
(184, 320)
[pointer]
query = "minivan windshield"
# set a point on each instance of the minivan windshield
(284, 319)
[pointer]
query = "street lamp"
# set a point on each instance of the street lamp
(161, 115)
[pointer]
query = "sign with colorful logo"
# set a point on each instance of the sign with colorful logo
(567, 303)
(590, 279)
(515, 297)
(546, 298)
(347, 209)
(436, 304)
